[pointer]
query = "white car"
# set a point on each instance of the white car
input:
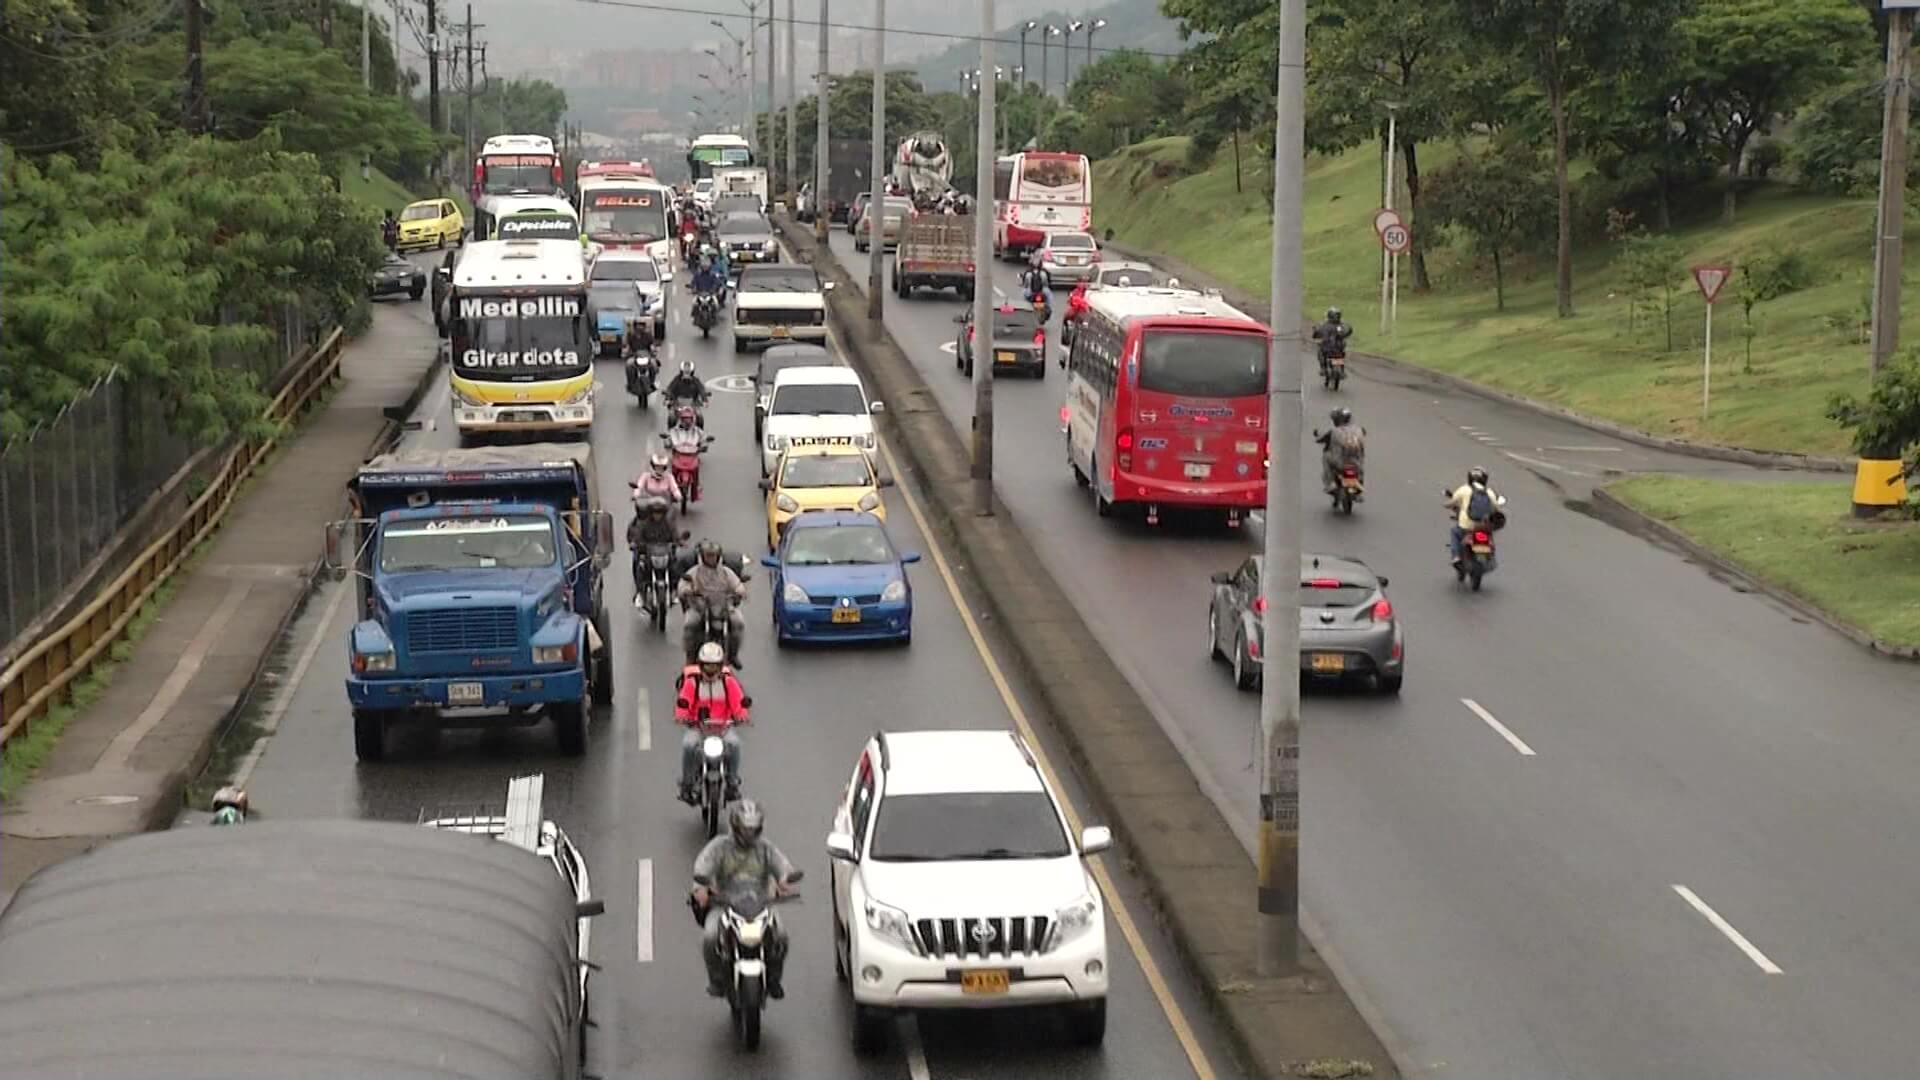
(957, 884)
(817, 406)
(703, 192)
(632, 265)
(1069, 257)
(775, 304)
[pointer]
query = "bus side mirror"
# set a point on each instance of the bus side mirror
(587, 909)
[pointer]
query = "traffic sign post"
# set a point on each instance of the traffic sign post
(1396, 239)
(1387, 223)
(1711, 279)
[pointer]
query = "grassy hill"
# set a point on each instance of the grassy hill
(1805, 345)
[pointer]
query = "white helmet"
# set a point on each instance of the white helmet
(712, 653)
(659, 462)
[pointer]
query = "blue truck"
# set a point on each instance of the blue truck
(479, 575)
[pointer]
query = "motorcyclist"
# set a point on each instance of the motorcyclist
(1036, 281)
(707, 276)
(741, 859)
(657, 482)
(650, 526)
(390, 231)
(1474, 503)
(721, 266)
(712, 687)
(1344, 444)
(229, 806)
(1332, 336)
(686, 386)
(710, 576)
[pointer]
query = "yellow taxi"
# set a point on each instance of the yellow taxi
(821, 478)
(431, 223)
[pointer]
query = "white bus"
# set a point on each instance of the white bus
(1037, 192)
(512, 165)
(521, 346)
(709, 151)
(625, 209)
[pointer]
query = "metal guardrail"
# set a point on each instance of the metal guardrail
(39, 679)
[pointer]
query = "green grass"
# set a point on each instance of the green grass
(382, 192)
(1800, 537)
(1591, 362)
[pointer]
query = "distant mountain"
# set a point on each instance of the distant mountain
(1134, 24)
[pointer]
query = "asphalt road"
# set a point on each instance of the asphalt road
(1622, 821)
(814, 710)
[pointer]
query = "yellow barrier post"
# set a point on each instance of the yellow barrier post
(1878, 486)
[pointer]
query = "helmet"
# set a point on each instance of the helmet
(746, 822)
(706, 249)
(230, 796)
(686, 367)
(685, 415)
(1333, 314)
(1342, 416)
(710, 552)
(1477, 475)
(710, 658)
(659, 462)
(1033, 260)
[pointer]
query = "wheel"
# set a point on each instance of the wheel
(1087, 1022)
(1475, 575)
(1346, 501)
(415, 294)
(1459, 572)
(966, 292)
(570, 726)
(441, 245)
(1101, 506)
(660, 616)
(1390, 684)
(369, 735)
(711, 812)
(1244, 678)
(839, 941)
(1213, 633)
(603, 666)
(1040, 369)
(869, 1029)
(739, 346)
(747, 1020)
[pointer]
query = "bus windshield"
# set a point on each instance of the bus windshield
(625, 215)
(507, 173)
(519, 339)
(1202, 363)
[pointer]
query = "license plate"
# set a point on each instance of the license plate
(846, 614)
(1337, 362)
(1324, 661)
(781, 331)
(1005, 358)
(609, 335)
(1198, 470)
(1483, 549)
(466, 693)
(991, 981)
(1350, 482)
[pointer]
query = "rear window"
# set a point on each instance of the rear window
(797, 279)
(1020, 320)
(1078, 241)
(1343, 595)
(1199, 363)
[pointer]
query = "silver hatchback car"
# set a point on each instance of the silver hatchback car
(1348, 628)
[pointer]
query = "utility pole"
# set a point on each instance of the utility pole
(877, 200)
(983, 275)
(366, 72)
(793, 107)
(1887, 256)
(472, 150)
(393, 43)
(773, 96)
(433, 74)
(1025, 29)
(1279, 895)
(1049, 32)
(196, 103)
(324, 22)
(820, 163)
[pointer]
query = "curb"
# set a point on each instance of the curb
(173, 795)
(1617, 512)
(1193, 868)
(1766, 459)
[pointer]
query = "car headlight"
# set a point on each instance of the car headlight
(794, 594)
(890, 923)
(895, 592)
(581, 398)
(380, 661)
(1075, 919)
(776, 443)
(868, 442)
(784, 503)
(868, 502)
(466, 399)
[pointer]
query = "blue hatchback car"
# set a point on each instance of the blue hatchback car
(838, 577)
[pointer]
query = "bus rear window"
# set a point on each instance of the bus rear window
(1199, 363)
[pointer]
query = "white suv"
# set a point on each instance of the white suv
(958, 885)
(817, 406)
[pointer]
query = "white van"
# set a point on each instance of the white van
(817, 406)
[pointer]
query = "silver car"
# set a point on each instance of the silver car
(1069, 257)
(638, 270)
(1348, 628)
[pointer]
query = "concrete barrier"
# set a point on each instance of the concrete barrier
(1197, 874)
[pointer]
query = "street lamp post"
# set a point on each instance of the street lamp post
(1027, 28)
(1052, 31)
(743, 58)
(983, 276)
(1066, 57)
(1092, 28)
(876, 215)
(820, 136)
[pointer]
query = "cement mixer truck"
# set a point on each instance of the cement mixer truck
(922, 167)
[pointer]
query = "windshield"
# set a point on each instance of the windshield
(839, 545)
(742, 225)
(421, 212)
(816, 399)
(1199, 363)
(779, 279)
(626, 215)
(827, 471)
(531, 173)
(614, 296)
(539, 226)
(625, 270)
(519, 339)
(968, 825)
(516, 541)
(703, 185)
(1079, 241)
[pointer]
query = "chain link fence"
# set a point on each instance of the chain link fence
(69, 486)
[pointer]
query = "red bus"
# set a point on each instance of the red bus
(1167, 402)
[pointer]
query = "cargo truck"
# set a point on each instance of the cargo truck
(479, 585)
(849, 172)
(936, 251)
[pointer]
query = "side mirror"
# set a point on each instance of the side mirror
(603, 536)
(770, 562)
(827, 286)
(335, 556)
(1383, 581)
(587, 909)
(877, 407)
(1221, 577)
(1095, 839)
(766, 484)
(885, 482)
(840, 846)
(910, 557)
(443, 273)
(746, 701)
(797, 876)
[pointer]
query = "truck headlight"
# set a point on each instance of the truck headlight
(794, 594)
(785, 504)
(466, 399)
(380, 661)
(895, 592)
(555, 654)
(1075, 919)
(868, 502)
(581, 398)
(890, 923)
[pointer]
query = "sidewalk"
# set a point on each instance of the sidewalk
(120, 767)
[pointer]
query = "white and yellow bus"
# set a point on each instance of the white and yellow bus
(520, 339)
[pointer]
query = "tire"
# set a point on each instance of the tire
(1346, 502)
(1243, 677)
(1213, 633)
(1390, 684)
(1101, 507)
(1474, 576)
(603, 666)
(869, 1029)
(369, 735)
(1040, 370)
(710, 814)
(840, 971)
(747, 1022)
(1087, 1022)
(570, 726)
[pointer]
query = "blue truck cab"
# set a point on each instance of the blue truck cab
(479, 583)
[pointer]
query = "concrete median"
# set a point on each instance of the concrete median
(1199, 876)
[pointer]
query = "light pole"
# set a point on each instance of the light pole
(820, 136)
(793, 110)
(1051, 32)
(1066, 57)
(983, 277)
(876, 215)
(773, 97)
(1092, 28)
(1027, 28)
(743, 57)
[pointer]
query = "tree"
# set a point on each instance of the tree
(1066, 131)
(1231, 91)
(1652, 265)
(1126, 96)
(1641, 131)
(1566, 45)
(850, 115)
(1887, 423)
(1754, 61)
(65, 88)
(1498, 197)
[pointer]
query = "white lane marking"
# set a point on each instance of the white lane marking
(1759, 958)
(1524, 460)
(271, 722)
(1580, 449)
(916, 1053)
(643, 718)
(643, 913)
(120, 751)
(1496, 725)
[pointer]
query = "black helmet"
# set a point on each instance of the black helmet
(1333, 314)
(710, 547)
(1342, 416)
(746, 822)
(1477, 475)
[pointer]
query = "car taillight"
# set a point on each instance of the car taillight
(1096, 257)
(969, 268)
(1066, 414)
(1259, 605)
(1324, 583)
(1039, 339)
(1350, 471)
(1382, 611)
(1125, 444)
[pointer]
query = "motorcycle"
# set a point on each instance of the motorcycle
(653, 581)
(1333, 366)
(706, 312)
(1347, 490)
(1477, 556)
(640, 376)
(686, 469)
(390, 234)
(746, 925)
(715, 626)
(716, 787)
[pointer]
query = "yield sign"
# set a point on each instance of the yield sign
(1711, 279)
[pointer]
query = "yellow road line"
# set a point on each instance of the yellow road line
(1176, 1017)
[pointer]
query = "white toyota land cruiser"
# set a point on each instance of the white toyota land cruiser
(958, 885)
(817, 406)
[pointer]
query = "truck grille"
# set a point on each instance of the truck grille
(1001, 936)
(782, 316)
(462, 630)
